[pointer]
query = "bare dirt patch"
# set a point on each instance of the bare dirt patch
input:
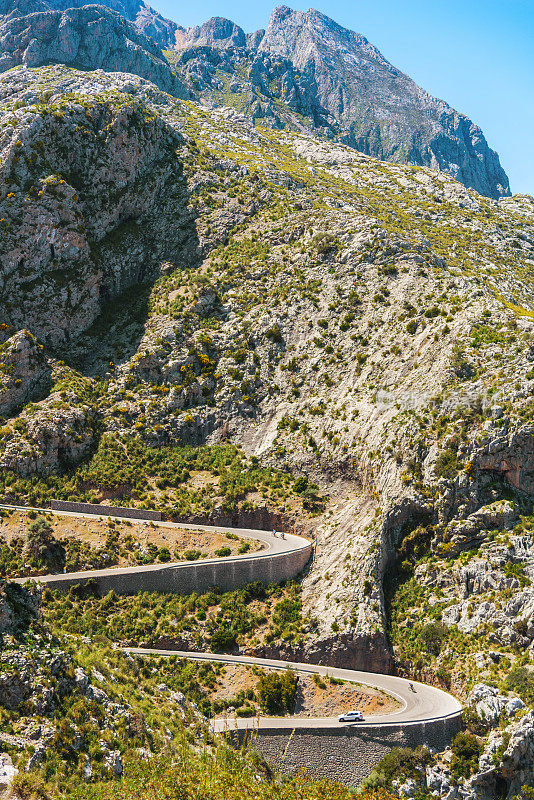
(315, 697)
(128, 542)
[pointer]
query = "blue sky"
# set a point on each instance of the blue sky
(478, 55)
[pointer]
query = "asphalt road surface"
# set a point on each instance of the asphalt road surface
(425, 704)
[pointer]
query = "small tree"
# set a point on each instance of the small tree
(276, 692)
(466, 752)
(42, 548)
(399, 763)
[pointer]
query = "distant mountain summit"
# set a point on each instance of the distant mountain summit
(303, 71)
(382, 112)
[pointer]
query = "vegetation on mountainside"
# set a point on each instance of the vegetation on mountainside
(521, 681)
(401, 763)
(133, 708)
(226, 774)
(276, 692)
(466, 749)
(214, 620)
(333, 290)
(128, 471)
(420, 638)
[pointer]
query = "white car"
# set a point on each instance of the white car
(351, 716)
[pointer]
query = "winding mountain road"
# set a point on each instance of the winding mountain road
(279, 559)
(425, 704)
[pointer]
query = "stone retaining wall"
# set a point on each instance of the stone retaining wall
(114, 511)
(345, 754)
(184, 578)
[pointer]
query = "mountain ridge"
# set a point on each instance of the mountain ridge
(335, 81)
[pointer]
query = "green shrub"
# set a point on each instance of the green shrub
(275, 334)
(448, 464)
(276, 692)
(525, 793)
(432, 637)
(474, 723)
(466, 752)
(301, 484)
(402, 763)
(28, 787)
(325, 243)
(223, 638)
(521, 681)
(192, 555)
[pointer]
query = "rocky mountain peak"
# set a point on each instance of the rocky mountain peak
(382, 112)
(304, 71)
(217, 32)
(288, 29)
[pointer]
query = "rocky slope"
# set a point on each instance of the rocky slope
(303, 71)
(173, 275)
(89, 37)
(73, 713)
(349, 342)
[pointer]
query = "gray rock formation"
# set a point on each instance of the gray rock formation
(91, 37)
(217, 32)
(7, 771)
(381, 110)
(162, 31)
(71, 257)
(24, 371)
(345, 88)
(489, 704)
(51, 437)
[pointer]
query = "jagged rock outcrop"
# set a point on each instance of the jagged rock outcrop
(217, 32)
(336, 80)
(504, 767)
(7, 771)
(50, 437)
(81, 203)
(18, 608)
(24, 371)
(91, 37)
(489, 704)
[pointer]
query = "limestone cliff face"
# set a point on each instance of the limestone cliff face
(91, 37)
(24, 371)
(81, 206)
(217, 32)
(381, 110)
